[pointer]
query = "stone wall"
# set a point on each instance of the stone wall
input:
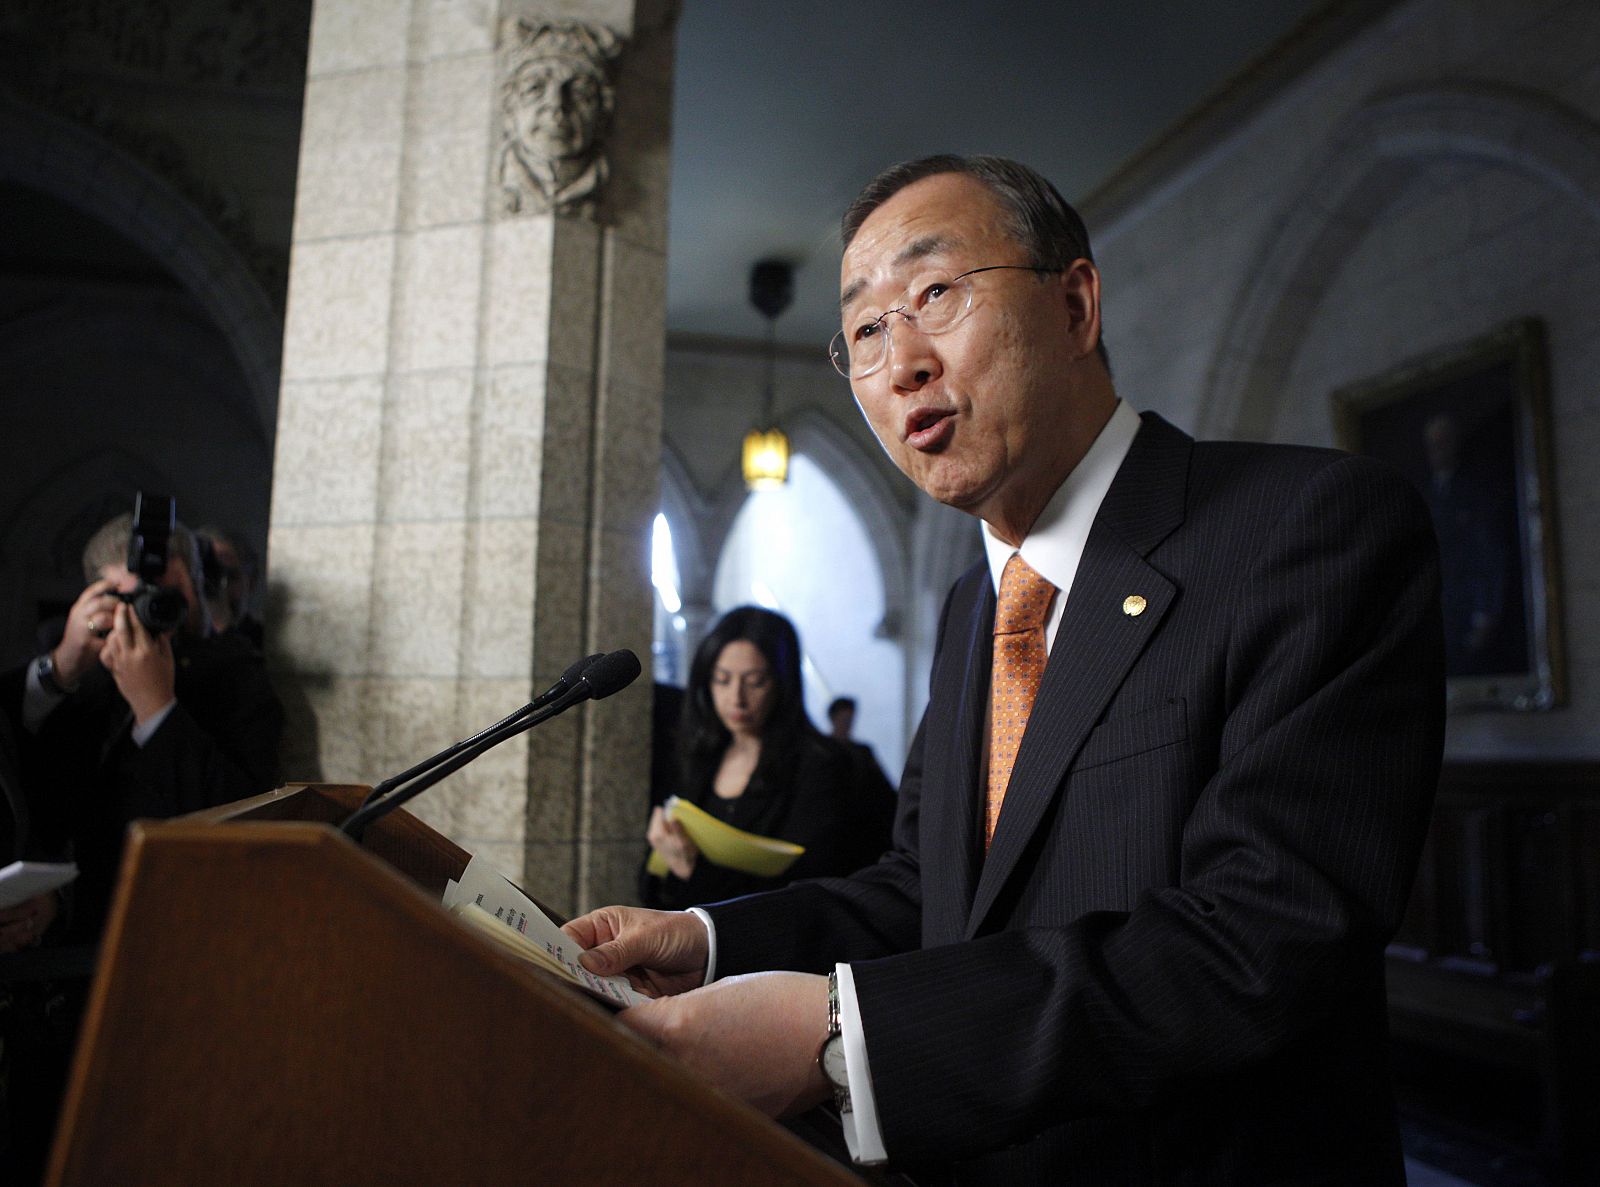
(458, 513)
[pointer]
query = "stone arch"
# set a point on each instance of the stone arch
(867, 494)
(947, 543)
(686, 512)
(58, 157)
(1373, 154)
(818, 436)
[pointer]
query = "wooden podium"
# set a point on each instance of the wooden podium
(275, 1004)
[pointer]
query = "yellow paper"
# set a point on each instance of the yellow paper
(723, 845)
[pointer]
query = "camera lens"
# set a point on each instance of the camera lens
(160, 609)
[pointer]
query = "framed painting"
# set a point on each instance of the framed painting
(1470, 427)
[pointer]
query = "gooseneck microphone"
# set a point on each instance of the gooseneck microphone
(568, 678)
(603, 676)
(608, 674)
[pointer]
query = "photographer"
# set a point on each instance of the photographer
(232, 577)
(140, 710)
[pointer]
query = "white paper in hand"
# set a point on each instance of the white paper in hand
(22, 880)
(484, 886)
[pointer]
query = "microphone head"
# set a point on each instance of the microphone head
(611, 673)
(575, 673)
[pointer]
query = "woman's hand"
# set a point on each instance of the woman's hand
(668, 838)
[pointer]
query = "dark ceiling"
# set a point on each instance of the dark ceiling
(784, 110)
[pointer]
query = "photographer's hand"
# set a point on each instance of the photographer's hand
(141, 663)
(88, 626)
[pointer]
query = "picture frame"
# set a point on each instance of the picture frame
(1470, 426)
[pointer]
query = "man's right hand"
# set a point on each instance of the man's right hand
(89, 622)
(664, 952)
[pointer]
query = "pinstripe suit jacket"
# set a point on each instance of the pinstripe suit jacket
(1168, 967)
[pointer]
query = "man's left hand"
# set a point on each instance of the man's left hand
(141, 663)
(755, 1037)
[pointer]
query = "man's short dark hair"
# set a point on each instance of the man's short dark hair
(1042, 220)
(838, 704)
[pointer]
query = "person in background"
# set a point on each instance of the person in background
(666, 712)
(25, 924)
(35, 1031)
(232, 575)
(749, 756)
(842, 718)
(121, 722)
(874, 793)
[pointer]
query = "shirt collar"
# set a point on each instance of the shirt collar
(1054, 544)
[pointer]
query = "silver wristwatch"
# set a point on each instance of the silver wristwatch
(45, 669)
(830, 1056)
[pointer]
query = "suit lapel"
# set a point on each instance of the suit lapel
(1097, 642)
(953, 747)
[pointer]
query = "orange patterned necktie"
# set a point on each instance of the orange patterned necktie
(1019, 658)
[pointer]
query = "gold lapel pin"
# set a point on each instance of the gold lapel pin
(1133, 605)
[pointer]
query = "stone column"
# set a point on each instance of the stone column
(469, 423)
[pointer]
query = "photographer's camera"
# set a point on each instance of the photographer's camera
(161, 608)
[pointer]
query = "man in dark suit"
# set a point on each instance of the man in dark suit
(121, 722)
(1144, 944)
(35, 1038)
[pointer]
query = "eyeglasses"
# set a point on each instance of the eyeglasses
(860, 350)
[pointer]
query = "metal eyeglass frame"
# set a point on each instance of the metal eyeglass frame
(838, 347)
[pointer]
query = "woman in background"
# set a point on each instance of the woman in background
(748, 755)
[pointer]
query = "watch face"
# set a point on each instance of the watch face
(833, 1062)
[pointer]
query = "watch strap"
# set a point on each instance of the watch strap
(835, 1035)
(45, 669)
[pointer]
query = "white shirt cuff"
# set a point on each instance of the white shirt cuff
(143, 733)
(861, 1131)
(37, 700)
(711, 944)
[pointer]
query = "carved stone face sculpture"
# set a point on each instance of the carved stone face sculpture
(558, 107)
(557, 101)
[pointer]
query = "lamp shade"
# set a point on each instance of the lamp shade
(766, 459)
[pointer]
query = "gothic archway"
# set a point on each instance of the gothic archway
(1375, 152)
